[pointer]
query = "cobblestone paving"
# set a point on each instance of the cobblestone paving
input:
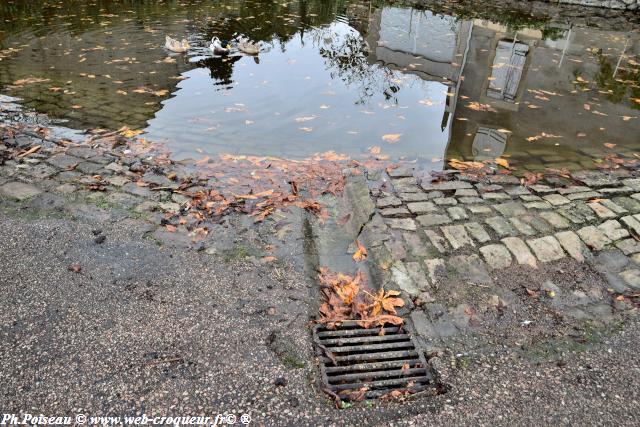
(426, 234)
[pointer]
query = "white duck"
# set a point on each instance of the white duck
(216, 47)
(175, 46)
(248, 47)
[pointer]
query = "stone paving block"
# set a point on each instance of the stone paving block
(63, 161)
(439, 242)
(631, 278)
(614, 207)
(584, 210)
(469, 268)
(430, 220)
(42, 171)
(633, 183)
(83, 152)
(573, 245)
(136, 190)
(495, 196)
(477, 232)
(480, 209)
(613, 230)
(546, 248)
(422, 207)
(556, 199)
(446, 185)
(19, 190)
(572, 216)
(457, 213)
(541, 189)
(501, 226)
(417, 247)
(522, 227)
(538, 205)
(520, 251)
(418, 275)
(509, 209)
(117, 181)
(617, 191)
(631, 223)
(628, 246)
(593, 237)
(466, 192)
(555, 219)
(601, 211)
(445, 201)
(400, 212)
(435, 267)
(627, 203)
(457, 236)
(497, 256)
(573, 189)
(504, 179)
(517, 190)
(470, 200)
(396, 248)
(530, 198)
(401, 277)
(584, 196)
(413, 197)
(407, 224)
(401, 172)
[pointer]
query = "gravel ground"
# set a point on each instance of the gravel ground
(149, 329)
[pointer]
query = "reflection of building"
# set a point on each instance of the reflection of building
(521, 95)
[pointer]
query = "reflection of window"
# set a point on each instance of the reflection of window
(488, 144)
(507, 70)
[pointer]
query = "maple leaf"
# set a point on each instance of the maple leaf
(361, 253)
(392, 138)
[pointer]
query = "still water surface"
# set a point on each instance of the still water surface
(332, 75)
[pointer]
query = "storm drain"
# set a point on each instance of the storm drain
(358, 363)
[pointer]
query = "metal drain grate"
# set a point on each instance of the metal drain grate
(353, 358)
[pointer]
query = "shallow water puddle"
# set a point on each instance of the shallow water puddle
(346, 76)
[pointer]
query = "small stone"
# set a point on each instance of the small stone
(631, 278)
(546, 248)
(433, 219)
(520, 251)
(19, 190)
(601, 211)
(497, 256)
(556, 199)
(593, 237)
(556, 220)
(573, 245)
(457, 236)
(628, 246)
(100, 239)
(501, 226)
(419, 208)
(478, 232)
(280, 382)
(613, 230)
(457, 213)
(407, 224)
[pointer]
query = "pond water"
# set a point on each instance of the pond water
(347, 76)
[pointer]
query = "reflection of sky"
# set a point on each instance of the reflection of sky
(294, 103)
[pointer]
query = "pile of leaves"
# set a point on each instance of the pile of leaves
(346, 297)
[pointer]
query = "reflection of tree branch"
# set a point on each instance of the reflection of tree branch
(347, 58)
